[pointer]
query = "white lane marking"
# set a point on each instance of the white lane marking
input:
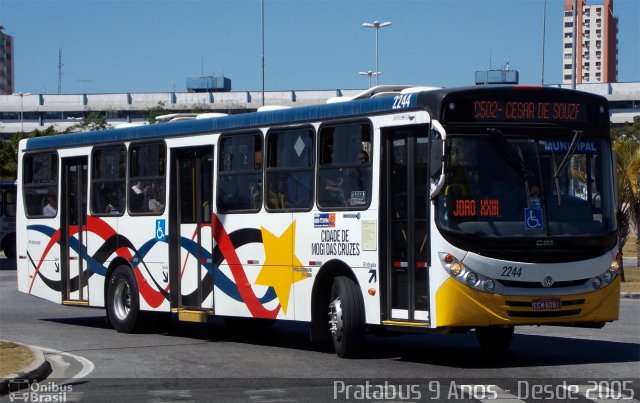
(269, 395)
(87, 366)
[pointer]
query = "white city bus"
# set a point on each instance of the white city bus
(402, 209)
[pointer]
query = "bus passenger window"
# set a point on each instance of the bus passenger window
(240, 173)
(147, 163)
(10, 203)
(108, 180)
(344, 174)
(290, 155)
(40, 182)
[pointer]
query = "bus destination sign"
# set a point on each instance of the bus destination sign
(469, 207)
(528, 111)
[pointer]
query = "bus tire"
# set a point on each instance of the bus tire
(123, 301)
(494, 339)
(346, 317)
(9, 246)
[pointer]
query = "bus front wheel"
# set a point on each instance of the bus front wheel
(123, 304)
(495, 339)
(346, 317)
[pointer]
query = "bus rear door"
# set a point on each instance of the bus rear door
(191, 265)
(404, 210)
(73, 239)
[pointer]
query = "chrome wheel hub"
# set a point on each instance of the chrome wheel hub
(122, 300)
(335, 318)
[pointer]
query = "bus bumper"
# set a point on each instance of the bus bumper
(460, 305)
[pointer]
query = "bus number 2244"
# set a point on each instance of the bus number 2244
(402, 101)
(511, 271)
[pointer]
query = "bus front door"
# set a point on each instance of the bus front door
(191, 268)
(73, 238)
(405, 213)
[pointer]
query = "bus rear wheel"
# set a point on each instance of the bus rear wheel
(9, 246)
(123, 303)
(346, 317)
(495, 339)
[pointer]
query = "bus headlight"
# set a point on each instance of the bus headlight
(456, 268)
(614, 266)
(596, 282)
(489, 285)
(472, 278)
(607, 276)
(463, 274)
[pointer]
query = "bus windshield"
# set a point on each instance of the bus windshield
(498, 185)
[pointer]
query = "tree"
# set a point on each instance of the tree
(627, 147)
(94, 121)
(9, 151)
(153, 113)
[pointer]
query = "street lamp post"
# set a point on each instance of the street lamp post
(376, 25)
(21, 95)
(262, 44)
(544, 26)
(369, 74)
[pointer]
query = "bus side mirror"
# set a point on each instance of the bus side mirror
(436, 158)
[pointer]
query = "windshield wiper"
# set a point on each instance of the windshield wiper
(577, 134)
(559, 170)
(512, 157)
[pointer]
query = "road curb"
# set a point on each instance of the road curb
(38, 370)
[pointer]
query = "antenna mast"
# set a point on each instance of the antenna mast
(59, 70)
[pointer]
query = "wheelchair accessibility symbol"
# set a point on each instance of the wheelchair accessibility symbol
(161, 233)
(533, 219)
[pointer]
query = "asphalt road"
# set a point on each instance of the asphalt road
(195, 362)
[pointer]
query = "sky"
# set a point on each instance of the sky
(111, 46)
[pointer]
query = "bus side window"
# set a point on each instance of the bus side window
(10, 203)
(344, 173)
(290, 159)
(108, 180)
(240, 173)
(40, 181)
(147, 167)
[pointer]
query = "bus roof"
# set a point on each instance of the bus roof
(428, 98)
(304, 114)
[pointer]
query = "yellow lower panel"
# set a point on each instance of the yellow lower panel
(192, 316)
(75, 302)
(460, 305)
(408, 324)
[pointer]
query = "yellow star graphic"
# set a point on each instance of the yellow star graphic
(277, 271)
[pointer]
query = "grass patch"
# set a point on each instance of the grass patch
(13, 358)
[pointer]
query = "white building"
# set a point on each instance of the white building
(597, 46)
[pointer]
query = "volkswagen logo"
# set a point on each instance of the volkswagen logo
(547, 282)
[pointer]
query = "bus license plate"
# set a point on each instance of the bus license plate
(546, 304)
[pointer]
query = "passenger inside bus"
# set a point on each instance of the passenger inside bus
(113, 204)
(154, 198)
(346, 189)
(138, 195)
(256, 194)
(49, 208)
